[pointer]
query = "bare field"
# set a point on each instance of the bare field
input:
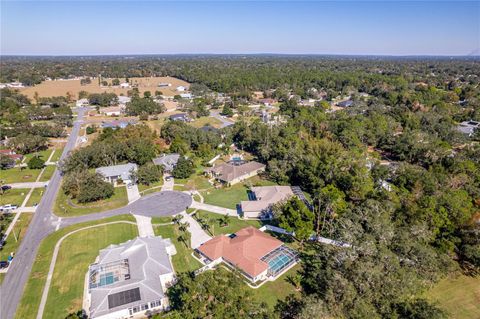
(61, 87)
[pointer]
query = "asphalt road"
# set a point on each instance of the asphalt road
(42, 224)
(225, 122)
(165, 203)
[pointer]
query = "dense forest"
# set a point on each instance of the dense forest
(391, 176)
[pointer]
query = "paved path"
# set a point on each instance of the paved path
(199, 236)
(214, 209)
(168, 184)
(28, 185)
(144, 224)
(132, 193)
(42, 224)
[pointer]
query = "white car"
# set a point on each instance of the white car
(8, 207)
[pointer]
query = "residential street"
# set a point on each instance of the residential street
(42, 224)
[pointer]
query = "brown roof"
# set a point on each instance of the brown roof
(228, 172)
(244, 250)
(266, 196)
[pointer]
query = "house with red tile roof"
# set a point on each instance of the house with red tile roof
(258, 256)
(11, 154)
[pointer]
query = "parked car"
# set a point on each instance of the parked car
(8, 207)
(3, 264)
(6, 187)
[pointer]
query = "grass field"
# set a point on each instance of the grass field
(161, 220)
(19, 229)
(47, 173)
(63, 208)
(14, 196)
(196, 181)
(33, 290)
(56, 88)
(183, 260)
(229, 197)
(36, 196)
(206, 120)
(459, 296)
(19, 175)
(234, 224)
(76, 254)
(56, 155)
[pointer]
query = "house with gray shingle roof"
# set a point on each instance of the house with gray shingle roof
(130, 279)
(113, 174)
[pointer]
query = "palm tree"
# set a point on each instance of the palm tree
(177, 218)
(224, 220)
(184, 226)
(295, 280)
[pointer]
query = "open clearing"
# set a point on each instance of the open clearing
(65, 207)
(61, 87)
(19, 175)
(459, 296)
(19, 231)
(14, 196)
(33, 290)
(234, 224)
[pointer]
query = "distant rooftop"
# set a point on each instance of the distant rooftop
(124, 170)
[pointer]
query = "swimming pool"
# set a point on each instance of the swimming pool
(280, 259)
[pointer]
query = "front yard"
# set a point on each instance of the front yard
(64, 206)
(19, 175)
(183, 260)
(76, 253)
(14, 196)
(47, 173)
(36, 196)
(18, 231)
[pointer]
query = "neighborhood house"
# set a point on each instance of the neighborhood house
(130, 279)
(116, 173)
(262, 199)
(183, 117)
(258, 256)
(118, 124)
(231, 174)
(112, 110)
(468, 127)
(11, 154)
(168, 161)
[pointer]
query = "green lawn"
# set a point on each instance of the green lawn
(42, 154)
(161, 220)
(63, 208)
(234, 224)
(19, 175)
(276, 290)
(229, 197)
(76, 254)
(183, 260)
(459, 296)
(33, 290)
(19, 229)
(36, 196)
(196, 181)
(47, 173)
(143, 188)
(202, 121)
(56, 156)
(14, 196)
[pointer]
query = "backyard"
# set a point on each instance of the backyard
(64, 206)
(206, 120)
(72, 263)
(183, 260)
(459, 296)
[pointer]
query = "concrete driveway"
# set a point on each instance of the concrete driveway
(28, 185)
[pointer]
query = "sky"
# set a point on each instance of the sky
(246, 27)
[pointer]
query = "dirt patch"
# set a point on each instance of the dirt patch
(26, 176)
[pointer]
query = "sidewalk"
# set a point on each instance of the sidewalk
(28, 185)
(199, 236)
